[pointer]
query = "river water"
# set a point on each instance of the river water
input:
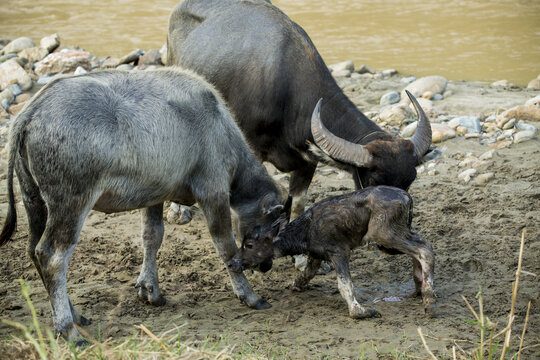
(459, 39)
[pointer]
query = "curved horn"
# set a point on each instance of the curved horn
(422, 136)
(336, 147)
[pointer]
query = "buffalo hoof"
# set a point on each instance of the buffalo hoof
(160, 301)
(83, 321)
(81, 343)
(262, 305)
(429, 308)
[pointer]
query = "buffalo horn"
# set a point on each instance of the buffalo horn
(422, 136)
(337, 148)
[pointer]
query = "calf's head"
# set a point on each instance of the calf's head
(257, 250)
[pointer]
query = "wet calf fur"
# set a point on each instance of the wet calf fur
(115, 141)
(331, 228)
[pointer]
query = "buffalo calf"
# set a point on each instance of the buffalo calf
(330, 229)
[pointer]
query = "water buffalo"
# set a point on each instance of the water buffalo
(332, 228)
(271, 76)
(115, 141)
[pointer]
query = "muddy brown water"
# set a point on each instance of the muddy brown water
(461, 40)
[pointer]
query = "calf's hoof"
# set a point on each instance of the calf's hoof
(261, 304)
(429, 307)
(364, 313)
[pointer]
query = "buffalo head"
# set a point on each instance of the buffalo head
(385, 160)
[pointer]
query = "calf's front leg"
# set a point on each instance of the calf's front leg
(346, 289)
(152, 236)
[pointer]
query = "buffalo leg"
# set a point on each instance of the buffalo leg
(346, 289)
(218, 216)
(309, 272)
(298, 186)
(36, 212)
(152, 236)
(53, 253)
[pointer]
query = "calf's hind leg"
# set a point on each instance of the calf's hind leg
(152, 236)
(346, 289)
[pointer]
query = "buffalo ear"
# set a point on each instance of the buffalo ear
(269, 207)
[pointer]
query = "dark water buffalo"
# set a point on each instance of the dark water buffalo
(271, 77)
(116, 141)
(332, 228)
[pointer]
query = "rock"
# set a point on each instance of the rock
(7, 95)
(45, 79)
(408, 79)
(534, 84)
(151, 57)
(80, 70)
(33, 54)
(15, 89)
(471, 135)
(534, 101)
(50, 43)
(461, 130)
(124, 67)
(467, 175)
(509, 124)
(12, 73)
(426, 104)
(441, 132)
(390, 98)
(447, 93)
(63, 62)
(3, 114)
(435, 84)
(18, 45)
(341, 73)
(472, 123)
(427, 95)
(409, 130)
(521, 112)
(437, 97)
(432, 172)
(345, 65)
(163, 52)
(389, 73)
(501, 83)
(523, 126)
(364, 69)
(132, 57)
(488, 155)
(483, 179)
(22, 98)
(4, 104)
(6, 57)
(525, 135)
(14, 109)
(110, 62)
(395, 115)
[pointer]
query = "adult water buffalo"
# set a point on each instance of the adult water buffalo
(115, 141)
(271, 77)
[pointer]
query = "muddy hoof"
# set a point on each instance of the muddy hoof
(367, 314)
(80, 343)
(160, 301)
(262, 305)
(84, 321)
(429, 310)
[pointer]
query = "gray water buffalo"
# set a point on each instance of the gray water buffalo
(332, 228)
(271, 76)
(115, 141)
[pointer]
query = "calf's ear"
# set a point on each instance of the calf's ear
(279, 225)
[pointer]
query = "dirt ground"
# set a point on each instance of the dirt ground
(475, 232)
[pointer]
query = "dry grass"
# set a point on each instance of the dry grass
(490, 347)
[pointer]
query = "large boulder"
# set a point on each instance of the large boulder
(33, 54)
(521, 112)
(18, 45)
(62, 62)
(430, 84)
(12, 73)
(151, 57)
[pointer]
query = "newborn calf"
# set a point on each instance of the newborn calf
(331, 228)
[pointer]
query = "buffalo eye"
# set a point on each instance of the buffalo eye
(248, 246)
